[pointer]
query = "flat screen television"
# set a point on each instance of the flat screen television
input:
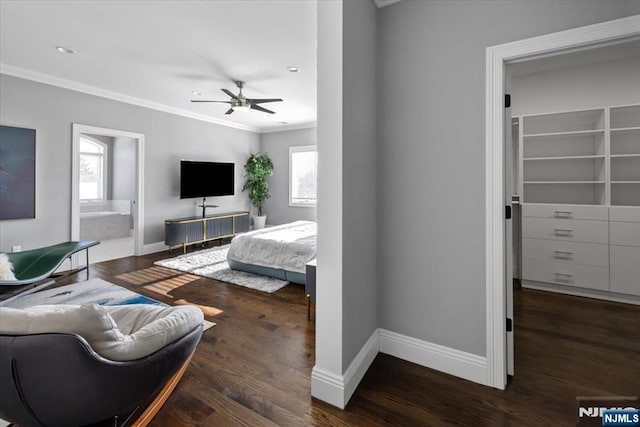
(205, 179)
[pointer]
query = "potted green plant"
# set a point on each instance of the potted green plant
(258, 167)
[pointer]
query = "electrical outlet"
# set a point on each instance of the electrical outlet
(16, 248)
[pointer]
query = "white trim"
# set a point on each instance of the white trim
(35, 76)
(153, 248)
(338, 389)
(138, 221)
(496, 57)
(327, 387)
(297, 126)
(445, 359)
(582, 292)
(360, 364)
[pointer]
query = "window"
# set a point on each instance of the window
(93, 180)
(303, 175)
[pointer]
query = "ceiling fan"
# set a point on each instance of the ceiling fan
(240, 103)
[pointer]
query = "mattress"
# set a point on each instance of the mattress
(286, 248)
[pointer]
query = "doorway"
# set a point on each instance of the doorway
(107, 191)
(497, 57)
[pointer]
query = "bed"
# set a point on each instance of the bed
(282, 251)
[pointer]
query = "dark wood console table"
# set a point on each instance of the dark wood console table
(191, 230)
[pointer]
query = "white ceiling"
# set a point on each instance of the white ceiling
(155, 53)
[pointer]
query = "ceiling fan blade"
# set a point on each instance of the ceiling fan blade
(262, 101)
(202, 100)
(229, 111)
(259, 108)
(228, 92)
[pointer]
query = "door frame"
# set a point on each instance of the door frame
(587, 37)
(138, 220)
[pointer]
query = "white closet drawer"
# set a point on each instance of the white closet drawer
(562, 273)
(574, 230)
(625, 269)
(565, 211)
(624, 214)
(626, 234)
(572, 252)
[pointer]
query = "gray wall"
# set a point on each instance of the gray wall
(597, 85)
(123, 178)
(359, 205)
(277, 145)
(168, 138)
(431, 97)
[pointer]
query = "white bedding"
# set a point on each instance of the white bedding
(288, 246)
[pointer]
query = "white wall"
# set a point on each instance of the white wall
(586, 86)
(168, 138)
(431, 98)
(277, 144)
(346, 300)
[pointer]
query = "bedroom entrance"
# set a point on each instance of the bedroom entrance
(106, 190)
(498, 198)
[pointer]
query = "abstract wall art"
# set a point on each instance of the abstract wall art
(17, 173)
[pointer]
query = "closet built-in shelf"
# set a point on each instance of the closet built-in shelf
(533, 136)
(625, 182)
(614, 156)
(633, 128)
(564, 182)
(565, 157)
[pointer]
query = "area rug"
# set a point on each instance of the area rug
(212, 263)
(93, 291)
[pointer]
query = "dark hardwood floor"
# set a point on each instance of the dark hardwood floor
(254, 367)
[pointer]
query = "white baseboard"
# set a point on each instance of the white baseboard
(152, 248)
(451, 361)
(338, 389)
(580, 292)
(360, 364)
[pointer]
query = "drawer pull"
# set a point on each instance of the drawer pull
(563, 255)
(562, 232)
(564, 278)
(563, 214)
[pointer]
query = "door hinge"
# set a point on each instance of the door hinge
(509, 325)
(507, 212)
(507, 100)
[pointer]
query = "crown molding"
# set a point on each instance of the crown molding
(295, 126)
(383, 3)
(35, 76)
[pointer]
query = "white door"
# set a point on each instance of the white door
(508, 232)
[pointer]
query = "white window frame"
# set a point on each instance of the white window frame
(105, 169)
(301, 149)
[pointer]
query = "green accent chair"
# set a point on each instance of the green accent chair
(38, 264)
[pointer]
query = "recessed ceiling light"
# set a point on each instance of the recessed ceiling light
(63, 49)
(293, 69)
(196, 93)
(282, 123)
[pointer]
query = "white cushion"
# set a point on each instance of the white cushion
(6, 269)
(115, 332)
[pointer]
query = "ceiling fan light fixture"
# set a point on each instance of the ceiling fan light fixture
(241, 108)
(63, 49)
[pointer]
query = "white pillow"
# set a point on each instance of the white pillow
(148, 328)
(6, 269)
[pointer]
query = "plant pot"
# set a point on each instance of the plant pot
(259, 221)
